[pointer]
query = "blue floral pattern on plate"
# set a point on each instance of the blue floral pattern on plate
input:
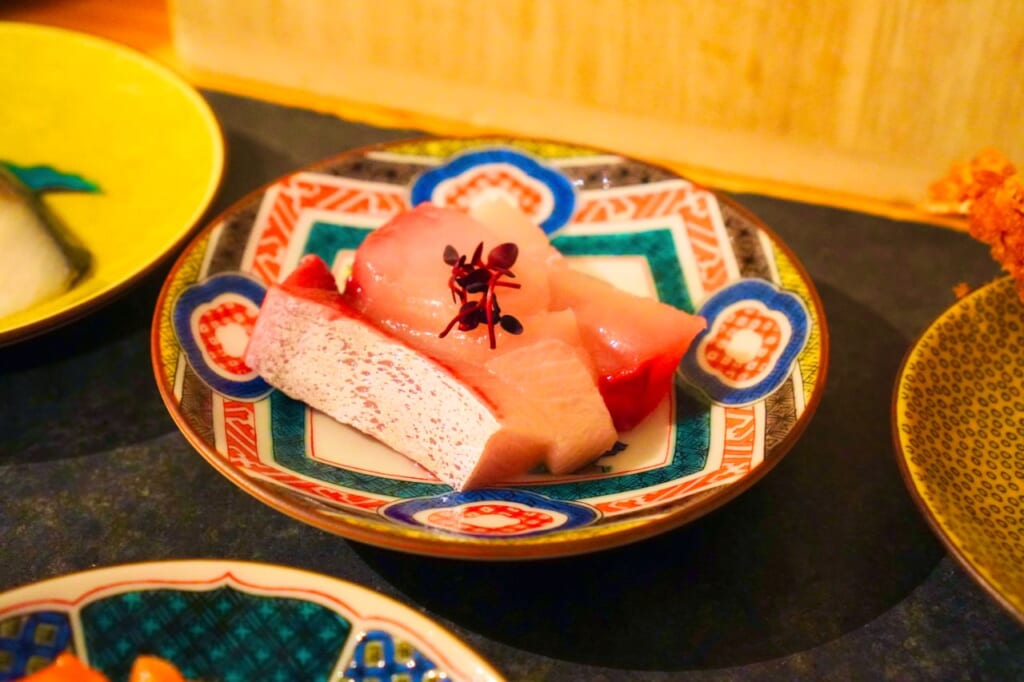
(496, 512)
(212, 320)
(755, 333)
(542, 193)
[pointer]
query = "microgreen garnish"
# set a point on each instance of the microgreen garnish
(477, 277)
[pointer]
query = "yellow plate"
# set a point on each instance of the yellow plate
(959, 435)
(97, 109)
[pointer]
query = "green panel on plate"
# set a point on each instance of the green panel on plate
(327, 239)
(222, 634)
(658, 246)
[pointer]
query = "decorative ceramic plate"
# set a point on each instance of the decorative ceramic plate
(228, 621)
(959, 431)
(143, 143)
(646, 229)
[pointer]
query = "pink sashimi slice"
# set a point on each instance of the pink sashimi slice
(636, 343)
(399, 267)
(399, 281)
(309, 343)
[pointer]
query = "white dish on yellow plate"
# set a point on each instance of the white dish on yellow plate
(128, 125)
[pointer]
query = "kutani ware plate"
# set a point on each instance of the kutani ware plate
(146, 143)
(644, 228)
(959, 435)
(228, 621)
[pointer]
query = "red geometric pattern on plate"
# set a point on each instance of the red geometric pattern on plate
(230, 312)
(242, 452)
(460, 192)
(745, 318)
(740, 432)
(240, 431)
(309, 191)
(693, 204)
(461, 519)
(737, 453)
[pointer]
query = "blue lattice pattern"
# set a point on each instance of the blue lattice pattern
(380, 657)
(31, 641)
(223, 633)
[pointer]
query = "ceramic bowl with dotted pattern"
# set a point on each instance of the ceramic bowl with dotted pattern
(959, 433)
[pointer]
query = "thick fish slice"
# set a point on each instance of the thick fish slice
(310, 344)
(400, 278)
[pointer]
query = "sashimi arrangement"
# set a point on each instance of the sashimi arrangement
(404, 355)
(489, 348)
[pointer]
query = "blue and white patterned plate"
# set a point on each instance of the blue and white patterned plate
(743, 394)
(230, 621)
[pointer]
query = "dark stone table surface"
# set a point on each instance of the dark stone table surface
(825, 569)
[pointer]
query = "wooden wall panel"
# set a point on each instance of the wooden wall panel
(865, 98)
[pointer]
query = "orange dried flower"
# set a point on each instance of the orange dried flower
(967, 181)
(996, 218)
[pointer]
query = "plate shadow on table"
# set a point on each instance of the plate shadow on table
(248, 159)
(80, 394)
(826, 542)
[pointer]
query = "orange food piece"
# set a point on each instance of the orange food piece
(66, 668)
(154, 669)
